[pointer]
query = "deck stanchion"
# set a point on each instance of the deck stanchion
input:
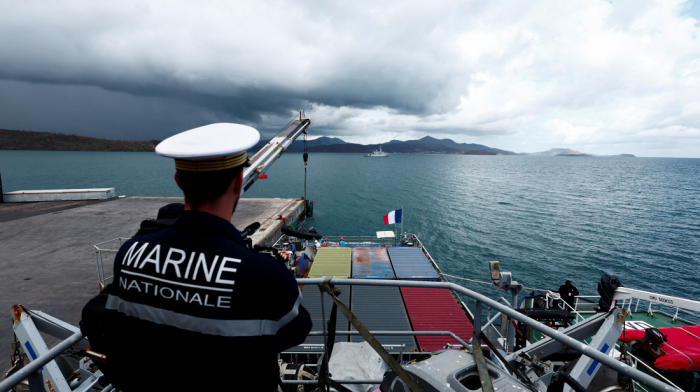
(2, 199)
(479, 358)
(325, 334)
(477, 321)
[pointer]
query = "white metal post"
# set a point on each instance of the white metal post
(604, 341)
(34, 346)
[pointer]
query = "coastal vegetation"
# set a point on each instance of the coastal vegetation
(49, 141)
(426, 145)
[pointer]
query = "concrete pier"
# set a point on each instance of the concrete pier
(59, 195)
(47, 259)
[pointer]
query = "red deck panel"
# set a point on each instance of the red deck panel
(435, 310)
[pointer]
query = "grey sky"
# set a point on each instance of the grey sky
(596, 76)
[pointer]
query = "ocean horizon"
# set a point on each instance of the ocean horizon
(546, 219)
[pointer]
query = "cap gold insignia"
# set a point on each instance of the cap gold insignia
(212, 164)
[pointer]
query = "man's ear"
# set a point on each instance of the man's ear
(238, 183)
(177, 180)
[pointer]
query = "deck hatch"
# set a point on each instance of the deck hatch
(332, 262)
(371, 263)
(435, 310)
(382, 309)
(412, 264)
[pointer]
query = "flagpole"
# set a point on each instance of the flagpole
(402, 219)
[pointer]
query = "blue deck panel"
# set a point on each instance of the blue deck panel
(411, 264)
(371, 263)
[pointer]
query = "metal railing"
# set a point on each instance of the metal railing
(106, 247)
(367, 240)
(648, 368)
(33, 367)
(580, 301)
(651, 307)
(419, 244)
(479, 299)
(350, 240)
(572, 309)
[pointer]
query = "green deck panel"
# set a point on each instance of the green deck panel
(332, 262)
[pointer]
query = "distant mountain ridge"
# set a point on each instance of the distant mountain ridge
(49, 141)
(431, 144)
(553, 152)
(426, 145)
(566, 152)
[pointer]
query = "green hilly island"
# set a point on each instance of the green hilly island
(48, 141)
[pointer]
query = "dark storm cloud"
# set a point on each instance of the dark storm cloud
(220, 60)
(535, 73)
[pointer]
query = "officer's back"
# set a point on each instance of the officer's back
(191, 307)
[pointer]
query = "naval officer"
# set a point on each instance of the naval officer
(191, 308)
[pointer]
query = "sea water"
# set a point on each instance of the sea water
(546, 219)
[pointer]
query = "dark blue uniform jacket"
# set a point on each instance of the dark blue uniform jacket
(192, 308)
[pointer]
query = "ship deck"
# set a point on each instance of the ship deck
(48, 259)
(383, 308)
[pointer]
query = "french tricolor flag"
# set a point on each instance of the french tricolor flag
(392, 217)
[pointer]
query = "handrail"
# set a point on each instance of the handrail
(42, 360)
(650, 309)
(432, 261)
(100, 264)
(354, 241)
(573, 310)
(556, 335)
(488, 324)
(633, 373)
(617, 346)
(505, 301)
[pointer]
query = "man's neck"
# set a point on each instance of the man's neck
(219, 208)
(224, 206)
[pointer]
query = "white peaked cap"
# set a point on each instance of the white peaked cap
(211, 147)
